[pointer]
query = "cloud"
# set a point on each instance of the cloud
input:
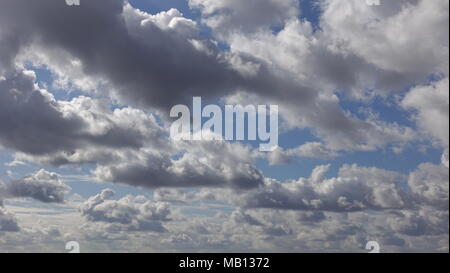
(198, 164)
(184, 196)
(42, 186)
(423, 222)
(35, 123)
(430, 104)
(311, 216)
(355, 189)
(240, 217)
(142, 63)
(414, 26)
(429, 185)
(315, 150)
(133, 213)
(335, 60)
(228, 16)
(8, 222)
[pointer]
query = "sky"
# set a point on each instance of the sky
(85, 152)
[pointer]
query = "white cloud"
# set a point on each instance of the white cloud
(227, 16)
(429, 185)
(134, 213)
(431, 105)
(355, 189)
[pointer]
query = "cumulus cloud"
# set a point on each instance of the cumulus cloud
(311, 216)
(43, 186)
(394, 28)
(335, 59)
(425, 221)
(315, 150)
(134, 213)
(226, 17)
(431, 106)
(429, 185)
(355, 189)
(240, 217)
(199, 164)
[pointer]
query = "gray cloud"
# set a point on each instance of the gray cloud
(240, 217)
(199, 164)
(311, 216)
(422, 222)
(145, 64)
(42, 186)
(226, 17)
(129, 213)
(356, 188)
(8, 222)
(429, 185)
(33, 122)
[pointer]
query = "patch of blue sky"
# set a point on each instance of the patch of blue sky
(298, 167)
(310, 11)
(384, 110)
(5, 158)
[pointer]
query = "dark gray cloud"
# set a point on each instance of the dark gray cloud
(33, 122)
(240, 217)
(199, 164)
(42, 186)
(30, 120)
(145, 64)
